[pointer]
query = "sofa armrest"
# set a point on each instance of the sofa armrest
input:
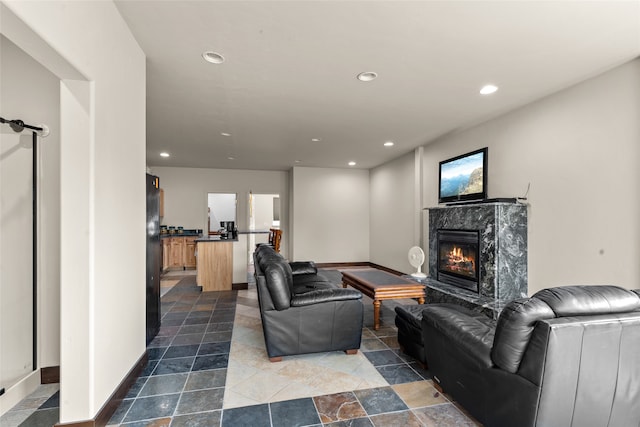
(324, 295)
(472, 333)
(303, 267)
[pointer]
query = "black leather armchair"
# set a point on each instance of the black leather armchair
(308, 317)
(567, 356)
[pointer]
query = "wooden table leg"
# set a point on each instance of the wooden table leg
(376, 314)
(421, 300)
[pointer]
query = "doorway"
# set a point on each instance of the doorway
(264, 213)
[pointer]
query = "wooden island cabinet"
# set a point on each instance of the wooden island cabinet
(178, 252)
(215, 264)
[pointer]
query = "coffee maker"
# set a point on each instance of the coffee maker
(232, 231)
(228, 229)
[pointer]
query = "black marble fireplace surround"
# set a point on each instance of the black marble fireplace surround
(502, 262)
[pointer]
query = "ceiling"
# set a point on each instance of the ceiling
(290, 70)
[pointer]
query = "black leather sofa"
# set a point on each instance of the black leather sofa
(567, 356)
(301, 311)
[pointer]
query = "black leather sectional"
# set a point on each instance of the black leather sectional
(302, 312)
(567, 356)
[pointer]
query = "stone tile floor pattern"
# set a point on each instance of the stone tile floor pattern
(204, 370)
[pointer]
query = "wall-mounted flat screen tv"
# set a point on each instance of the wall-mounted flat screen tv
(463, 178)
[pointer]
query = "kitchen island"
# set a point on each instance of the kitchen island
(215, 263)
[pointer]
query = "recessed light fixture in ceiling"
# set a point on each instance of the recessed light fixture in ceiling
(488, 89)
(352, 163)
(367, 76)
(213, 57)
(231, 158)
(164, 154)
(316, 139)
(388, 144)
(297, 161)
(225, 134)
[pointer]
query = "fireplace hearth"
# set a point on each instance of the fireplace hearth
(458, 255)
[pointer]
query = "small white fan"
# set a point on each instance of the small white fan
(416, 259)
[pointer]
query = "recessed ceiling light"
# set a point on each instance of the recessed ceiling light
(297, 161)
(316, 139)
(213, 57)
(388, 144)
(352, 163)
(225, 134)
(163, 154)
(231, 158)
(367, 76)
(488, 89)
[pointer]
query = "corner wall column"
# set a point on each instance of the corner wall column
(77, 253)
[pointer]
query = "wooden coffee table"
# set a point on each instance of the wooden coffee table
(380, 285)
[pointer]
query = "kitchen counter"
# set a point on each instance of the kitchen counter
(204, 239)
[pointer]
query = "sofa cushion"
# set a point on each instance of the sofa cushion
(310, 282)
(325, 295)
(264, 256)
(279, 283)
(513, 331)
(589, 300)
(469, 330)
(410, 314)
(303, 267)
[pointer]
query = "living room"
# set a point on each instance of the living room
(573, 153)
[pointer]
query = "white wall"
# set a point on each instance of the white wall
(330, 219)
(222, 207)
(102, 191)
(31, 93)
(392, 229)
(580, 151)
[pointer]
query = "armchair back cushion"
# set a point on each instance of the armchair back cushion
(519, 318)
(588, 300)
(280, 284)
(514, 329)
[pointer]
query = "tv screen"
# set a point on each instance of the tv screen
(464, 178)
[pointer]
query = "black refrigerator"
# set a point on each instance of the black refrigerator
(154, 256)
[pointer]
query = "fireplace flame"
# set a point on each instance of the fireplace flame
(456, 256)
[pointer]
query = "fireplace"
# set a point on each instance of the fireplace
(458, 258)
(499, 232)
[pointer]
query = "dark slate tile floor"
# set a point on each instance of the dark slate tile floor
(183, 382)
